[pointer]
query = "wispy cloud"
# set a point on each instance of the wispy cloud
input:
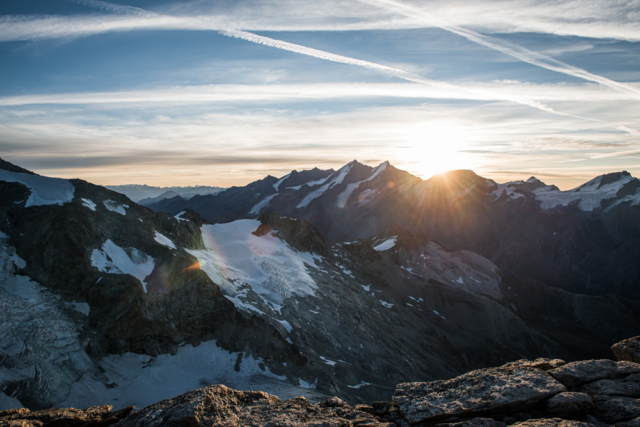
(515, 51)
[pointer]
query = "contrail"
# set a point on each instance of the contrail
(279, 44)
(518, 52)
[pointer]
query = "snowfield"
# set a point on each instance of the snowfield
(590, 194)
(235, 257)
(116, 260)
(44, 191)
(164, 240)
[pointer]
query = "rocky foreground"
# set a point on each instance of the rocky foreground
(543, 392)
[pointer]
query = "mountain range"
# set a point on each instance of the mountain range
(319, 283)
(583, 240)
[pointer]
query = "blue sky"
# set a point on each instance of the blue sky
(226, 92)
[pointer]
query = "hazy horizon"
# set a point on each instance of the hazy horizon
(222, 93)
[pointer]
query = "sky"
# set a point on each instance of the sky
(224, 92)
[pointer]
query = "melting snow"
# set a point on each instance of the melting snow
(89, 204)
(114, 207)
(44, 190)
(460, 280)
(164, 241)
(116, 260)
(386, 304)
(387, 244)
(366, 288)
(263, 204)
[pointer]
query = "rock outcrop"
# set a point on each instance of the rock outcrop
(592, 393)
(628, 349)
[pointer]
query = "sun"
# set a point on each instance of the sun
(436, 148)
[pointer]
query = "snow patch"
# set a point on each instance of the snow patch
(89, 204)
(509, 191)
(342, 173)
(386, 304)
(280, 181)
(116, 260)
(179, 216)
(164, 240)
(387, 244)
(344, 196)
(44, 190)
(114, 207)
(362, 384)
(263, 204)
(327, 361)
(366, 288)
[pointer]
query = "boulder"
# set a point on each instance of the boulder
(97, 416)
(618, 409)
(605, 389)
(478, 392)
(628, 350)
(476, 422)
(540, 363)
(553, 422)
(576, 373)
(569, 403)
(221, 406)
(631, 423)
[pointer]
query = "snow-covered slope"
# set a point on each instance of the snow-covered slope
(44, 191)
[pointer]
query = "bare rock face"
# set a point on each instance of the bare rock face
(475, 393)
(569, 403)
(631, 423)
(221, 406)
(577, 373)
(603, 389)
(618, 409)
(96, 416)
(628, 350)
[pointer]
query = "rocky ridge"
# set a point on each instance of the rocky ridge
(542, 392)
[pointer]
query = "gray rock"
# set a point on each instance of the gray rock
(618, 409)
(221, 406)
(541, 363)
(477, 392)
(97, 416)
(604, 389)
(569, 403)
(576, 373)
(476, 422)
(553, 422)
(631, 423)
(628, 350)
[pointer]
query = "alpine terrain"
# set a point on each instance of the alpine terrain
(321, 283)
